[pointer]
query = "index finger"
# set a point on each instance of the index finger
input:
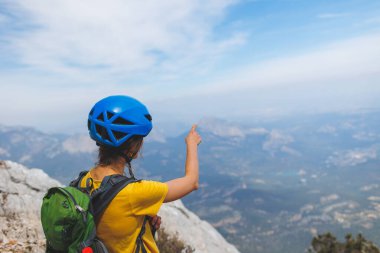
(193, 128)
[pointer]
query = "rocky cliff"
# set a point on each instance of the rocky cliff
(22, 190)
(189, 228)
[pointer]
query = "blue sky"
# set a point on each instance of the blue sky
(187, 59)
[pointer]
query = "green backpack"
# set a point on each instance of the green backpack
(69, 215)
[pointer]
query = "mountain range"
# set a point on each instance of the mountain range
(268, 186)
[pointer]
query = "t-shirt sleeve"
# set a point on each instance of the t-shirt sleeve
(148, 197)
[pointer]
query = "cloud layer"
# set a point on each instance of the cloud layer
(187, 58)
(119, 37)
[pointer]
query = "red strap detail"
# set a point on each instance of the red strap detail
(87, 250)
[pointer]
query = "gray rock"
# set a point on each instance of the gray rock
(189, 228)
(21, 193)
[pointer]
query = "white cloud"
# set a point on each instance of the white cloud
(78, 52)
(336, 64)
(66, 57)
(341, 76)
(118, 37)
(352, 157)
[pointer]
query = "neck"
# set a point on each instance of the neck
(115, 168)
(118, 166)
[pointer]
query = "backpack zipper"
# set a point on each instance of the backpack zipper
(77, 207)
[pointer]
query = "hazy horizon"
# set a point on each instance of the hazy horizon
(187, 60)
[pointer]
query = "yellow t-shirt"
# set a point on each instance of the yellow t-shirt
(122, 220)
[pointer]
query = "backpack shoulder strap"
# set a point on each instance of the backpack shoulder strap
(76, 182)
(139, 241)
(101, 198)
(109, 188)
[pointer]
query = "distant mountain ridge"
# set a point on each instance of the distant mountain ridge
(266, 185)
(48, 151)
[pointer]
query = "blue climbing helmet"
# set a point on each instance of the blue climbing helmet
(115, 119)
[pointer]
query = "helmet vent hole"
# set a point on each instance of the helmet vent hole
(148, 117)
(119, 135)
(92, 111)
(110, 115)
(121, 121)
(99, 129)
(102, 131)
(100, 117)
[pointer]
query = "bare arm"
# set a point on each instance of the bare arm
(179, 187)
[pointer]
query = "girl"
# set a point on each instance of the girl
(118, 124)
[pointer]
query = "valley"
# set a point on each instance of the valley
(268, 187)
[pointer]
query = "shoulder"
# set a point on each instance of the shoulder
(145, 197)
(146, 186)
